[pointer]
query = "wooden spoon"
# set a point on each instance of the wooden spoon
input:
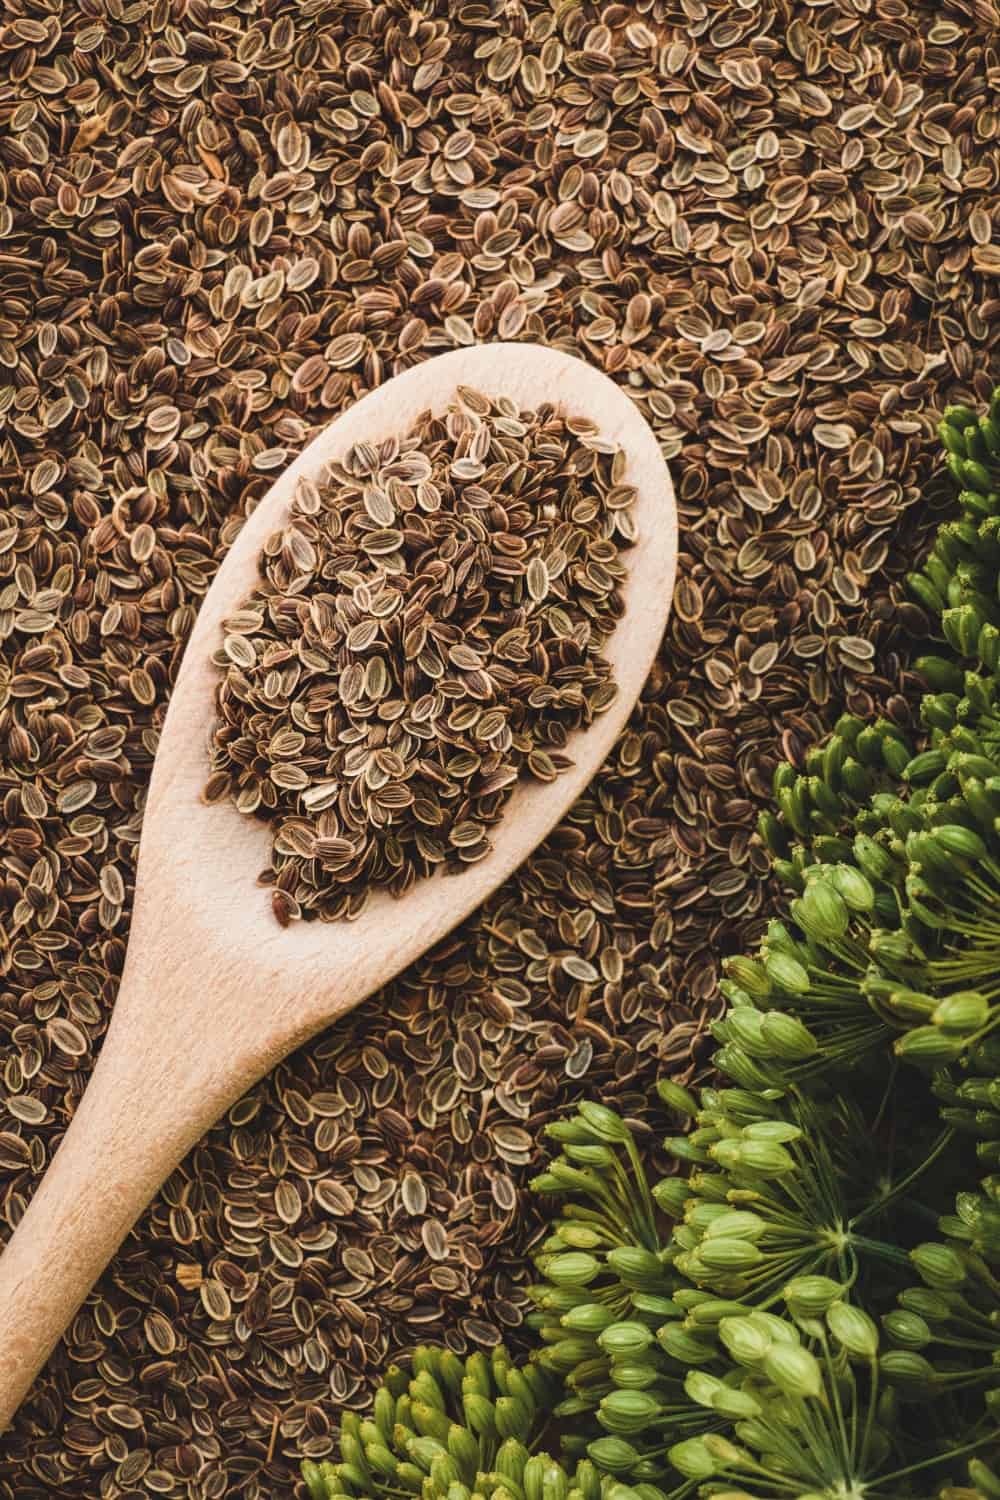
(214, 991)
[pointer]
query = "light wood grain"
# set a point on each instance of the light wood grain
(215, 992)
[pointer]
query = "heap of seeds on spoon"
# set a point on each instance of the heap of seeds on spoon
(427, 627)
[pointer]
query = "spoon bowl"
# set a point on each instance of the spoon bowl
(215, 991)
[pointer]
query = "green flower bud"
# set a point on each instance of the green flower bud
(749, 975)
(683, 1148)
(746, 1341)
(856, 779)
(743, 1025)
(479, 1414)
(934, 1306)
(976, 476)
(429, 1421)
(451, 1372)
(427, 1361)
(692, 1459)
(824, 799)
(778, 1329)
(787, 973)
(951, 439)
(848, 727)
(671, 1194)
(628, 1412)
(959, 841)
(907, 1330)
(579, 1236)
(624, 1340)
(831, 849)
(568, 1130)
(587, 1317)
(723, 1451)
(573, 1406)
(555, 1484)
(787, 1037)
(384, 1413)
(634, 1375)
(924, 767)
(423, 1451)
(785, 775)
(729, 1254)
(737, 1065)
(444, 1472)
(853, 1329)
(962, 1013)
(939, 1266)
(793, 1370)
(759, 1158)
(409, 1477)
(872, 859)
(571, 1179)
(313, 1481)
(976, 446)
(736, 1405)
(565, 1354)
(735, 1223)
(928, 1046)
(575, 1268)
(895, 756)
(706, 1311)
(940, 674)
(533, 1478)
(793, 805)
(588, 1480)
(811, 1296)
(634, 1265)
(911, 1005)
(658, 1308)
(510, 1461)
(368, 1433)
(905, 1367)
(683, 1346)
(869, 746)
(513, 1418)
(771, 834)
(822, 912)
(613, 1454)
(353, 1453)
(953, 463)
(985, 1479)
(714, 1186)
(477, 1376)
(677, 1098)
(853, 887)
(702, 1388)
(590, 1156)
(605, 1124)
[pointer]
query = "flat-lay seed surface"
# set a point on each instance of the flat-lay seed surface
(775, 226)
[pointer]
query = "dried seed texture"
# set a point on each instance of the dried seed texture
(427, 627)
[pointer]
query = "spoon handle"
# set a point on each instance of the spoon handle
(139, 1116)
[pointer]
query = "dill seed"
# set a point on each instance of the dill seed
(398, 679)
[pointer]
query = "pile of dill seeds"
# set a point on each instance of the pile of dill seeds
(775, 226)
(427, 626)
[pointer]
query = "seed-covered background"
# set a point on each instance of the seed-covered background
(221, 223)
